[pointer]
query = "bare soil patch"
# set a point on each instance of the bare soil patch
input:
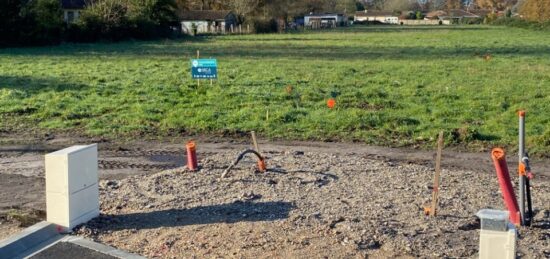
(318, 199)
(309, 204)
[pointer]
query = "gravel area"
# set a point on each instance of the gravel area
(309, 204)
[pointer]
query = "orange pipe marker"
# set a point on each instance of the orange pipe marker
(499, 159)
(191, 156)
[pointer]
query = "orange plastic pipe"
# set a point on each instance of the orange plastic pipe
(191, 156)
(499, 159)
(261, 165)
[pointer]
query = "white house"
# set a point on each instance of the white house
(198, 21)
(328, 20)
(71, 9)
(387, 17)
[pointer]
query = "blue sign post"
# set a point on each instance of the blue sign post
(204, 68)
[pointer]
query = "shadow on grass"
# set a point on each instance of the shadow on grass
(399, 28)
(350, 46)
(223, 213)
(31, 85)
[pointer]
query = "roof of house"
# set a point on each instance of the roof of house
(73, 4)
(455, 13)
(460, 13)
(323, 14)
(480, 12)
(374, 13)
(435, 14)
(204, 15)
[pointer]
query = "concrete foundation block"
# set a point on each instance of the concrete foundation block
(498, 244)
(72, 191)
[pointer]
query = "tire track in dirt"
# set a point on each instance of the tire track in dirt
(113, 165)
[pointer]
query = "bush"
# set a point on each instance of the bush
(472, 20)
(40, 22)
(520, 23)
(30, 22)
(118, 20)
(262, 25)
(490, 18)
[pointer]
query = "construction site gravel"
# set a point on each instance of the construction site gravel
(316, 200)
(306, 205)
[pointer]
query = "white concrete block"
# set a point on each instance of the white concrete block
(498, 244)
(72, 192)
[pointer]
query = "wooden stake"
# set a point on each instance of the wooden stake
(435, 192)
(198, 80)
(253, 133)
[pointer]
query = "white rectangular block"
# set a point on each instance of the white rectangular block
(72, 192)
(498, 244)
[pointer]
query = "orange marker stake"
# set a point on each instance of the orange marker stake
(191, 156)
(331, 103)
(261, 165)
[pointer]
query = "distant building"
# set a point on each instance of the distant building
(72, 9)
(454, 16)
(196, 22)
(327, 20)
(481, 12)
(386, 17)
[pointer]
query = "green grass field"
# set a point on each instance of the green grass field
(395, 86)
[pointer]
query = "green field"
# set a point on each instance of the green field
(395, 86)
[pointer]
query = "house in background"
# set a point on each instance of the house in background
(453, 16)
(481, 12)
(386, 17)
(72, 9)
(198, 21)
(327, 20)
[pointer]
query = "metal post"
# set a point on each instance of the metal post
(521, 176)
(529, 211)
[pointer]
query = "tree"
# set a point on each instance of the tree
(398, 5)
(109, 12)
(25, 22)
(340, 6)
(496, 4)
(359, 6)
(374, 4)
(454, 4)
(11, 21)
(536, 10)
(202, 4)
(159, 12)
(346, 6)
(468, 4)
(439, 4)
(47, 19)
(244, 7)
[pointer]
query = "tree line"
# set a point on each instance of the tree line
(41, 22)
(36, 22)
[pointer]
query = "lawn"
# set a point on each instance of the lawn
(395, 86)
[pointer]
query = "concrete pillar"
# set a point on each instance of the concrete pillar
(497, 238)
(72, 192)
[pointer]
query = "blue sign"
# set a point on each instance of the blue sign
(204, 68)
